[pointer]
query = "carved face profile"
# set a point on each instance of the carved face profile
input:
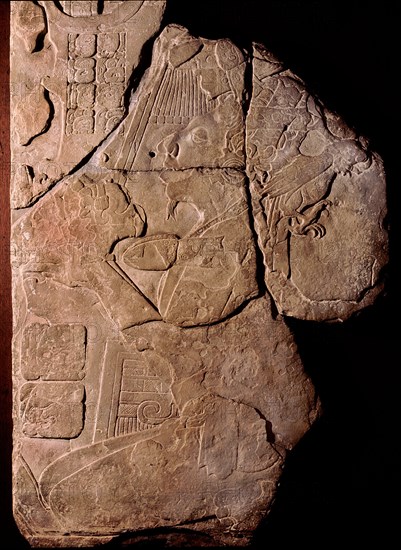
(157, 386)
(206, 136)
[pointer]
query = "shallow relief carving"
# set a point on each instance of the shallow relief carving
(155, 386)
(314, 182)
(71, 63)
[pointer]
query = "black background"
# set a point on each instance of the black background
(341, 486)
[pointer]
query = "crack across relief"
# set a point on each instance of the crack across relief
(155, 385)
(300, 158)
(97, 54)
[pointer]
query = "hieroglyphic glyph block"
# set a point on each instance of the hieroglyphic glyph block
(155, 384)
(52, 409)
(70, 63)
(54, 352)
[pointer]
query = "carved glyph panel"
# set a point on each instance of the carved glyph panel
(52, 409)
(53, 352)
(157, 229)
(70, 63)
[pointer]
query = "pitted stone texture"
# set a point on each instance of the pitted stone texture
(171, 245)
(70, 67)
(188, 430)
(318, 196)
(187, 113)
(156, 387)
(205, 273)
(52, 409)
(53, 352)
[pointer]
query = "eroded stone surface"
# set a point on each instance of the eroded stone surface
(182, 424)
(52, 409)
(70, 69)
(187, 113)
(318, 195)
(155, 385)
(55, 352)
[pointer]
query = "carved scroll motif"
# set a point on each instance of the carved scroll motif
(301, 160)
(156, 387)
(136, 390)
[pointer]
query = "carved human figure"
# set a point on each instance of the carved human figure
(146, 286)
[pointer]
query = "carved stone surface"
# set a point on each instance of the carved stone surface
(70, 70)
(312, 176)
(156, 386)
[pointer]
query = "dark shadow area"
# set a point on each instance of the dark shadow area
(341, 483)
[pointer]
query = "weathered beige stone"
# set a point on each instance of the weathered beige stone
(70, 69)
(319, 199)
(155, 384)
(188, 112)
(182, 434)
(52, 409)
(55, 352)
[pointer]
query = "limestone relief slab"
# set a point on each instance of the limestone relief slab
(70, 70)
(155, 384)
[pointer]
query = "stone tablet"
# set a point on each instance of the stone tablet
(158, 241)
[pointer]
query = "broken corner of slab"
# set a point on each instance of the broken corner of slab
(156, 390)
(319, 199)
